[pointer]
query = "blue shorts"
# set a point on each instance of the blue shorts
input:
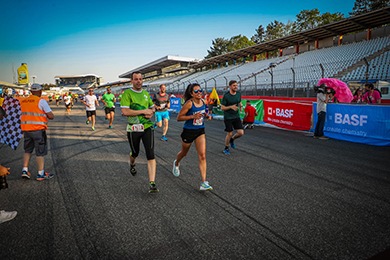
(160, 115)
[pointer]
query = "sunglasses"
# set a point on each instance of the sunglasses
(196, 91)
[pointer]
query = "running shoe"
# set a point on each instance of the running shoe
(133, 171)
(87, 122)
(205, 186)
(26, 175)
(226, 151)
(7, 215)
(46, 176)
(164, 138)
(232, 145)
(175, 169)
(153, 187)
(93, 128)
(110, 127)
(323, 138)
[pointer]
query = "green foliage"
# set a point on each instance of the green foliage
(222, 46)
(363, 6)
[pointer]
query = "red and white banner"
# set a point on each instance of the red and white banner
(288, 114)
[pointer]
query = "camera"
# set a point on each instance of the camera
(320, 89)
(3, 182)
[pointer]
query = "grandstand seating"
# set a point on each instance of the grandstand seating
(306, 65)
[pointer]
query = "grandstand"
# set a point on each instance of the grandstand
(353, 49)
(82, 81)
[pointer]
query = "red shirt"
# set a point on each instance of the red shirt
(250, 113)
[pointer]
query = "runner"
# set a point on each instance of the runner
(138, 106)
(108, 100)
(231, 105)
(193, 113)
(90, 101)
(162, 105)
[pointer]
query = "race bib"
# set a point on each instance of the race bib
(162, 105)
(198, 121)
(135, 128)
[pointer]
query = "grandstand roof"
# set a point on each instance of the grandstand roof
(160, 64)
(76, 76)
(9, 85)
(353, 24)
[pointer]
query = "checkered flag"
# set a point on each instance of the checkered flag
(10, 131)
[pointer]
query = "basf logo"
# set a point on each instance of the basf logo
(280, 112)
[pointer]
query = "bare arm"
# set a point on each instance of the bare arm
(50, 115)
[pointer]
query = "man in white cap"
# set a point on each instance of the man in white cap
(35, 114)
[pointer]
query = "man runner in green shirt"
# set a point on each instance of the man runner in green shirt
(138, 106)
(108, 100)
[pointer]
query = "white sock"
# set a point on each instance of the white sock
(41, 172)
(25, 169)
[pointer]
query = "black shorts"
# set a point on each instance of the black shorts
(147, 138)
(109, 110)
(35, 140)
(231, 124)
(189, 135)
(91, 113)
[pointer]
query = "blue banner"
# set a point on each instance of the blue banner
(368, 124)
(175, 104)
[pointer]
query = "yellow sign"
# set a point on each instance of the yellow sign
(23, 74)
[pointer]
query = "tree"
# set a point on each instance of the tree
(308, 19)
(239, 42)
(274, 30)
(360, 7)
(258, 37)
(219, 47)
(378, 4)
(290, 28)
(363, 6)
(223, 46)
(327, 18)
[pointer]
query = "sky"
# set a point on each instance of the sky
(109, 38)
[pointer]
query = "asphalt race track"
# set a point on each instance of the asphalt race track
(279, 195)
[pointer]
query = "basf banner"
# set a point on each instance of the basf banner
(368, 124)
(23, 74)
(289, 115)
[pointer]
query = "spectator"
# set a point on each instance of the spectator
(372, 95)
(331, 95)
(250, 113)
(358, 96)
(322, 100)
